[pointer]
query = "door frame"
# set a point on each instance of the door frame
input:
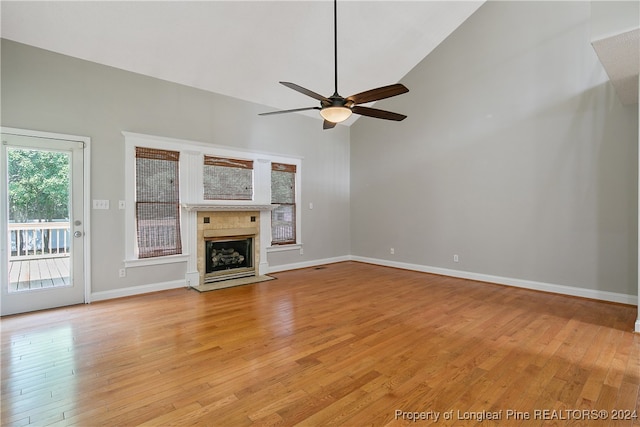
(86, 201)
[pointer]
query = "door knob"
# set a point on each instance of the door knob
(77, 234)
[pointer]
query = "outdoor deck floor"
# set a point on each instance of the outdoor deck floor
(38, 273)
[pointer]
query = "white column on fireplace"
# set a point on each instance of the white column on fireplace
(263, 189)
(193, 182)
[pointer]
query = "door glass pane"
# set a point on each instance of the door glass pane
(39, 226)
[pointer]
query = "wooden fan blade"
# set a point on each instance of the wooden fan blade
(289, 111)
(328, 125)
(305, 91)
(378, 93)
(378, 114)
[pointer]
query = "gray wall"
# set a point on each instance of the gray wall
(51, 92)
(516, 155)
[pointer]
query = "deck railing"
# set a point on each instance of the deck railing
(31, 240)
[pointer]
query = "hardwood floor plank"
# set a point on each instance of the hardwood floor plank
(349, 344)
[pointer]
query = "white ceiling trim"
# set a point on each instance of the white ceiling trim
(620, 56)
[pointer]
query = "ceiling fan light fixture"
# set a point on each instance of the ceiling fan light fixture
(335, 114)
(336, 109)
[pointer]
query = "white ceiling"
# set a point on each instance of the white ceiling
(243, 48)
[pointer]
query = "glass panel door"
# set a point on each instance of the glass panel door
(42, 223)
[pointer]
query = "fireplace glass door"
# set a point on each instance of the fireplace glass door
(228, 257)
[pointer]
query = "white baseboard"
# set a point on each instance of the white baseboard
(306, 264)
(155, 287)
(519, 283)
(137, 290)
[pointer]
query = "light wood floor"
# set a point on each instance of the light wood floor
(349, 344)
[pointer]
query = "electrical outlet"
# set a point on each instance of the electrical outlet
(122, 272)
(456, 258)
(301, 251)
(392, 251)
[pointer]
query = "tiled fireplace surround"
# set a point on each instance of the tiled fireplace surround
(226, 224)
(224, 220)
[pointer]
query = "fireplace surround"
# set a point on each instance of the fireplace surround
(235, 238)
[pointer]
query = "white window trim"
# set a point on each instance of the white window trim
(283, 248)
(131, 243)
(191, 189)
(168, 259)
(298, 243)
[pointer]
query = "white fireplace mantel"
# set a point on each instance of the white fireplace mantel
(190, 234)
(190, 207)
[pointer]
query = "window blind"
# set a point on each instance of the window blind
(227, 179)
(283, 217)
(157, 202)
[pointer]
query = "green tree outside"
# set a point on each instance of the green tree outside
(38, 186)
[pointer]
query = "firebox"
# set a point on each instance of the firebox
(228, 258)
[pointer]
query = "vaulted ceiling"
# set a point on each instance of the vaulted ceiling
(243, 48)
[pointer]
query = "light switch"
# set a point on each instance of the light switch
(100, 204)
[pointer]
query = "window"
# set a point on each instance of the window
(167, 180)
(157, 201)
(283, 217)
(227, 179)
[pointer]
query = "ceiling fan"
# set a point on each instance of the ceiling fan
(336, 109)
